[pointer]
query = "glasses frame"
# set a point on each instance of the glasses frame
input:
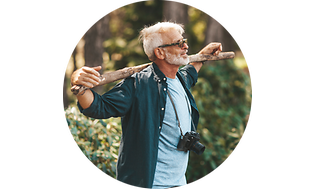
(179, 44)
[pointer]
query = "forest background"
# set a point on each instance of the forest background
(222, 93)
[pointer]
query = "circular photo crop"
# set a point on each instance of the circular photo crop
(157, 94)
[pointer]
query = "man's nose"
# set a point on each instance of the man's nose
(185, 46)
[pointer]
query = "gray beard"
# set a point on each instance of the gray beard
(176, 60)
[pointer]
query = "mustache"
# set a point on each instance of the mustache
(185, 51)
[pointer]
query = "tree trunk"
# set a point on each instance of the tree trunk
(74, 53)
(175, 12)
(93, 48)
(215, 32)
(65, 95)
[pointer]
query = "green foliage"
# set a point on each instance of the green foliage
(223, 97)
(98, 139)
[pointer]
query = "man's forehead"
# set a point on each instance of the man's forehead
(180, 39)
(172, 36)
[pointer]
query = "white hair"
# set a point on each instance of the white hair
(152, 38)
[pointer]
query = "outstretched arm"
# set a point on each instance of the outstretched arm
(212, 48)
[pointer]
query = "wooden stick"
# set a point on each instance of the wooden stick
(206, 57)
(128, 71)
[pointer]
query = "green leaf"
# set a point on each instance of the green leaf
(213, 164)
(103, 167)
(103, 123)
(94, 156)
(107, 154)
(91, 131)
(206, 135)
(113, 166)
(74, 130)
(110, 140)
(235, 135)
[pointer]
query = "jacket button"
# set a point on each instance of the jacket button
(159, 81)
(164, 78)
(162, 108)
(160, 127)
(164, 89)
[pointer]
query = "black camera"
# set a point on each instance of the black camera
(190, 142)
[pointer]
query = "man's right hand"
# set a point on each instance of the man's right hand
(89, 77)
(86, 76)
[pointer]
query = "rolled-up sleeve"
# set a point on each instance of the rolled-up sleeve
(114, 103)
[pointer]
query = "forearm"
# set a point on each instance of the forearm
(114, 103)
(85, 99)
(197, 65)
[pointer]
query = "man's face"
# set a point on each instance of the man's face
(174, 54)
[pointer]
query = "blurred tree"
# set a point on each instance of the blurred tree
(65, 95)
(215, 32)
(124, 48)
(74, 53)
(175, 12)
(93, 48)
(66, 82)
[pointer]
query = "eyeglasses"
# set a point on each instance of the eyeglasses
(180, 44)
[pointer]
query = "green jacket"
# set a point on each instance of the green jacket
(140, 101)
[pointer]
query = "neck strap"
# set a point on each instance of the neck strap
(181, 132)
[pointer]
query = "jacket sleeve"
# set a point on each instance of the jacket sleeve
(190, 75)
(114, 103)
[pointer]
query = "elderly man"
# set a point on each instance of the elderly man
(155, 106)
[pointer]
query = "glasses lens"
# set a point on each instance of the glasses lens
(181, 44)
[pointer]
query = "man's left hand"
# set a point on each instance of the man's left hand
(212, 48)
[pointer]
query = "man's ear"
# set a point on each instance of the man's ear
(159, 53)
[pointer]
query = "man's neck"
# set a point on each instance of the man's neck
(169, 70)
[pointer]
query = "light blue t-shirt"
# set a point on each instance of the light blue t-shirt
(171, 163)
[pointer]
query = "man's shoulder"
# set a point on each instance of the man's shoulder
(189, 75)
(189, 68)
(144, 75)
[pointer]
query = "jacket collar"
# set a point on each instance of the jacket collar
(158, 74)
